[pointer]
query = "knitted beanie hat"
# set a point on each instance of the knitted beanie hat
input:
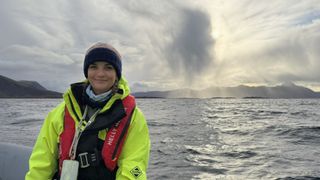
(102, 52)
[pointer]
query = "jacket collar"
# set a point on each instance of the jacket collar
(74, 96)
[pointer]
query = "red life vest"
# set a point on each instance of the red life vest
(113, 142)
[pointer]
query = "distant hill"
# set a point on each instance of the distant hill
(32, 84)
(10, 88)
(286, 90)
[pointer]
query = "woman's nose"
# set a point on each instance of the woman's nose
(100, 72)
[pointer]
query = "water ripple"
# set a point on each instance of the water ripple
(299, 178)
(239, 155)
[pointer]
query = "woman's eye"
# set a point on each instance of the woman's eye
(92, 66)
(109, 67)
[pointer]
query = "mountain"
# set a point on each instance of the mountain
(10, 88)
(32, 84)
(286, 90)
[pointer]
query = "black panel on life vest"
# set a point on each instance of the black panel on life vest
(91, 143)
(78, 90)
(107, 119)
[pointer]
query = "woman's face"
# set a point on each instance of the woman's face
(101, 76)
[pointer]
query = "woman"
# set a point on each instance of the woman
(98, 128)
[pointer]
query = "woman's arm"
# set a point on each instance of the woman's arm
(44, 158)
(133, 161)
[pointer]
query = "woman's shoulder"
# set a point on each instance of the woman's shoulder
(138, 118)
(57, 113)
(59, 108)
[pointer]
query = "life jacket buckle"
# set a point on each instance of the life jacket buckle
(83, 157)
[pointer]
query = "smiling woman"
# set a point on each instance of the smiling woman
(101, 76)
(98, 132)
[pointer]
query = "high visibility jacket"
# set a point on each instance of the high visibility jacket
(97, 158)
(133, 160)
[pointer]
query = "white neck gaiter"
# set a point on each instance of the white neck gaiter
(100, 97)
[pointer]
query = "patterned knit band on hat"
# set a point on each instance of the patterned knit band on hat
(102, 52)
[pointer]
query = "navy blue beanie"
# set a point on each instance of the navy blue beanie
(102, 52)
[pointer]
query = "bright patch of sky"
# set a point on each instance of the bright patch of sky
(165, 44)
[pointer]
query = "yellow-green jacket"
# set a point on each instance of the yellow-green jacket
(133, 160)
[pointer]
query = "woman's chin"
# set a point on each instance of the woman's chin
(100, 90)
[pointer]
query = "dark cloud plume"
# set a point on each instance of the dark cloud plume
(191, 51)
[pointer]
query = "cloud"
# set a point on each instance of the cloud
(266, 42)
(175, 41)
(164, 44)
(191, 51)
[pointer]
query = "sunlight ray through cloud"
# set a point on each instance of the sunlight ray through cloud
(191, 44)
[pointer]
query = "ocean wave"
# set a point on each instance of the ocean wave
(24, 121)
(160, 124)
(207, 149)
(304, 132)
(236, 132)
(299, 134)
(211, 170)
(299, 178)
(239, 155)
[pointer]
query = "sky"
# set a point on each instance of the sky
(165, 44)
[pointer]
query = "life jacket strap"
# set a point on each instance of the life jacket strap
(66, 138)
(112, 145)
(87, 159)
(116, 135)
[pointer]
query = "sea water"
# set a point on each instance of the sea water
(206, 138)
